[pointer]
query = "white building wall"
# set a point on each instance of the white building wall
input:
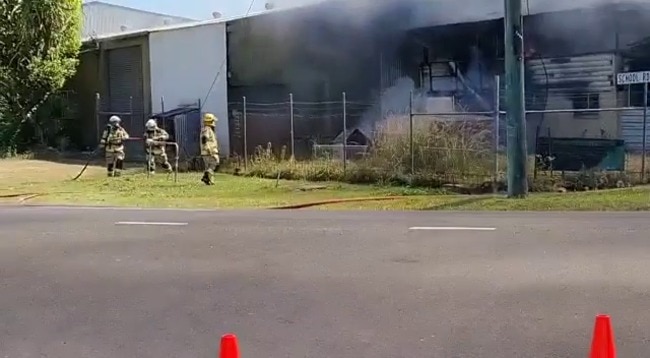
(184, 63)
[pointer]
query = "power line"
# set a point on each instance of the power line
(223, 62)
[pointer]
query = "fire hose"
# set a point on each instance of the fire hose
(149, 145)
(90, 158)
(176, 151)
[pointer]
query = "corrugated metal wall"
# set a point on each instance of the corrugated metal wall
(125, 80)
(102, 19)
(563, 73)
(391, 70)
(632, 129)
(187, 132)
(575, 83)
(264, 123)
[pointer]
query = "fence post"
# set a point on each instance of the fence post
(97, 117)
(411, 146)
(245, 134)
(293, 137)
(162, 110)
(345, 134)
(497, 114)
(645, 126)
(131, 113)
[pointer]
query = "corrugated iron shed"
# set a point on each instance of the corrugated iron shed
(128, 33)
(101, 18)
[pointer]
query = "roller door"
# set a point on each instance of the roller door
(125, 80)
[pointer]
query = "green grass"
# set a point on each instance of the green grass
(52, 182)
(632, 199)
(137, 190)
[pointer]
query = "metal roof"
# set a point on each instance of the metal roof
(115, 35)
(447, 12)
(101, 18)
(430, 12)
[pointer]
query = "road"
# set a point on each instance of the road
(83, 282)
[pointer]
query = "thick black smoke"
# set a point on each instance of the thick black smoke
(321, 48)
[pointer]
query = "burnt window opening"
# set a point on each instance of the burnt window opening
(583, 102)
(634, 95)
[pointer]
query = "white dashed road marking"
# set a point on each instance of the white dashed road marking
(452, 228)
(150, 223)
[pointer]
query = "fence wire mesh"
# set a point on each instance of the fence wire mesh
(437, 139)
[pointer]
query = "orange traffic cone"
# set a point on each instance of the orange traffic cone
(602, 345)
(229, 347)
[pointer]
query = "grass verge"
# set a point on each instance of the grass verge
(134, 189)
(628, 199)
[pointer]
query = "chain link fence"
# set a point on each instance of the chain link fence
(297, 129)
(387, 143)
(433, 136)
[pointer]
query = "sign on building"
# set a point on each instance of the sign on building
(633, 78)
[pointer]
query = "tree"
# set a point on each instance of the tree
(39, 44)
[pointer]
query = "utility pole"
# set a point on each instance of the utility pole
(515, 105)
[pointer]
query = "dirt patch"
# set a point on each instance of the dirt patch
(20, 171)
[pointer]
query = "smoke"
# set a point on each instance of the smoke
(331, 46)
(319, 51)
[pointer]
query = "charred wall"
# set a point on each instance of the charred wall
(315, 53)
(320, 51)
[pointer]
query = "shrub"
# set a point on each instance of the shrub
(444, 152)
(580, 181)
(442, 147)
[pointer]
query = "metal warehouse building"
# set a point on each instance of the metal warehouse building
(316, 52)
(135, 71)
(573, 52)
(102, 18)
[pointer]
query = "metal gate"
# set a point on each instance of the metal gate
(125, 80)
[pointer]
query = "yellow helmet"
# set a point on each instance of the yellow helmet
(209, 119)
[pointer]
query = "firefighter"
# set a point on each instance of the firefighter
(112, 141)
(209, 148)
(155, 138)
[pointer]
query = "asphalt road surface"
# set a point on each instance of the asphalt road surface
(146, 283)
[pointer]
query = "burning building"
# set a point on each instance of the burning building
(447, 52)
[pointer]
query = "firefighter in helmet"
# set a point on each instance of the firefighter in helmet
(112, 141)
(209, 148)
(155, 138)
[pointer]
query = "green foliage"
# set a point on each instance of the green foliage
(39, 44)
(457, 156)
(444, 152)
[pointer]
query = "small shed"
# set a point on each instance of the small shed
(184, 127)
(355, 137)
